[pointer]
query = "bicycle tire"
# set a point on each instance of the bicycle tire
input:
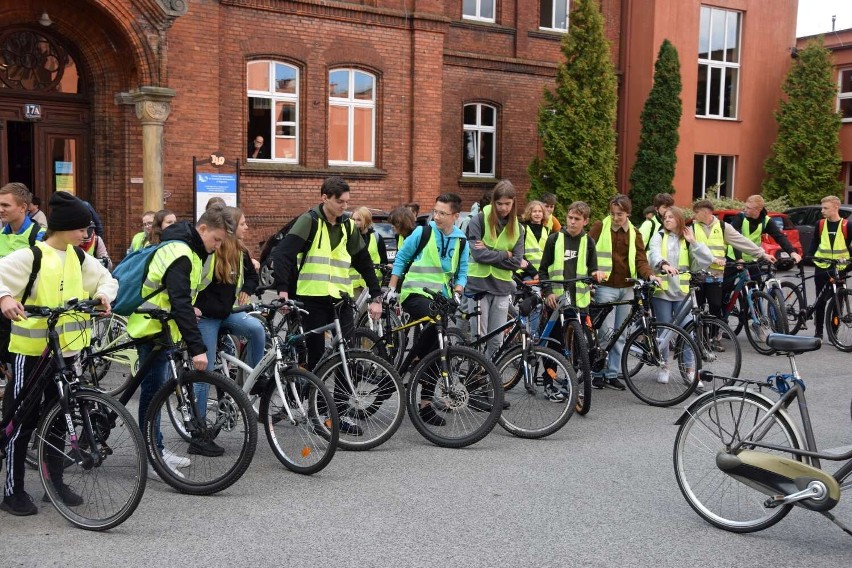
(306, 444)
(111, 373)
(717, 334)
(110, 490)
(395, 342)
(718, 498)
(232, 427)
(766, 314)
(469, 409)
(794, 305)
(377, 406)
(578, 356)
(365, 339)
(778, 295)
(530, 413)
(838, 324)
(643, 350)
(735, 320)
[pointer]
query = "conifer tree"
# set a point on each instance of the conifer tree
(576, 121)
(805, 161)
(656, 156)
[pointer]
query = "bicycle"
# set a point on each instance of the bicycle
(534, 376)
(739, 458)
(111, 373)
(753, 309)
(649, 347)
(184, 412)
(106, 460)
(838, 304)
(302, 437)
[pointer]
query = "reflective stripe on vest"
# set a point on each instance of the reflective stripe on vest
(326, 272)
(582, 295)
(139, 325)
(715, 241)
(502, 242)
(603, 247)
(56, 283)
(753, 236)
(428, 272)
(682, 265)
(533, 248)
(831, 250)
(10, 242)
(373, 249)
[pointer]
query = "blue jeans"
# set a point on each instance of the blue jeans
(604, 294)
(155, 378)
(240, 324)
(664, 311)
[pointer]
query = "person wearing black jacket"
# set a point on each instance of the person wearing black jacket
(828, 244)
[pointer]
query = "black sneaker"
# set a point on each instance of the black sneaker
(614, 383)
(207, 448)
(597, 382)
(429, 416)
(19, 504)
(67, 496)
(350, 428)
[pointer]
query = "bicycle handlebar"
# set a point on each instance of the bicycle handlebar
(73, 305)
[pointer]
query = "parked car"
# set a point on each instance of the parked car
(805, 219)
(767, 243)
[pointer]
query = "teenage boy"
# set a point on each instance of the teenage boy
(61, 277)
(831, 241)
(569, 253)
(652, 224)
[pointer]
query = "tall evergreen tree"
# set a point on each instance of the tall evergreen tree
(576, 121)
(805, 161)
(656, 156)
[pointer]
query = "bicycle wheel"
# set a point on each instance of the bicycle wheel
(108, 473)
(463, 412)
(371, 414)
(111, 373)
(718, 498)
(720, 351)
(766, 320)
(303, 439)
(531, 414)
(366, 339)
(578, 356)
(221, 425)
(667, 362)
(794, 305)
(395, 341)
(783, 324)
(839, 320)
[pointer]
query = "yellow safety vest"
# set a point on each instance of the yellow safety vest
(373, 249)
(140, 325)
(428, 272)
(56, 283)
(582, 295)
(494, 242)
(603, 247)
(715, 241)
(753, 236)
(139, 241)
(326, 272)
(207, 274)
(682, 265)
(533, 248)
(831, 250)
(10, 242)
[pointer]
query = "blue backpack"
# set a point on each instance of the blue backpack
(130, 273)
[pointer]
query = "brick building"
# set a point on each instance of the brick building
(112, 99)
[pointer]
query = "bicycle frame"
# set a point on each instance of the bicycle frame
(747, 285)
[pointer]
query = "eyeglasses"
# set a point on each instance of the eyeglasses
(148, 224)
(436, 213)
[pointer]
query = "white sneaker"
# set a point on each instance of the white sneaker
(173, 460)
(154, 476)
(663, 375)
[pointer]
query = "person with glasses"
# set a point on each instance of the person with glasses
(143, 238)
(441, 266)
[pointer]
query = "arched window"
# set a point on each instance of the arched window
(273, 111)
(351, 118)
(32, 61)
(479, 141)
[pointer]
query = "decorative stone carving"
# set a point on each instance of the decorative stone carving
(152, 111)
(173, 8)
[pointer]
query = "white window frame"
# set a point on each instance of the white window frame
(722, 66)
(477, 17)
(733, 175)
(841, 95)
(478, 129)
(278, 97)
(552, 27)
(351, 103)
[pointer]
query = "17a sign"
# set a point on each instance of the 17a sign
(32, 111)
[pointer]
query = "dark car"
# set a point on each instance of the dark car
(805, 219)
(767, 243)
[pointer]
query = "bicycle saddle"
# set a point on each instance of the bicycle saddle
(792, 343)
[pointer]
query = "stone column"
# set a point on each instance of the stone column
(152, 109)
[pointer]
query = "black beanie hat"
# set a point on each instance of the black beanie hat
(67, 213)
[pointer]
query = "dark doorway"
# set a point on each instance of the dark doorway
(19, 145)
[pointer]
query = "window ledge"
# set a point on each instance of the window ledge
(472, 181)
(552, 35)
(277, 169)
(482, 26)
(719, 118)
